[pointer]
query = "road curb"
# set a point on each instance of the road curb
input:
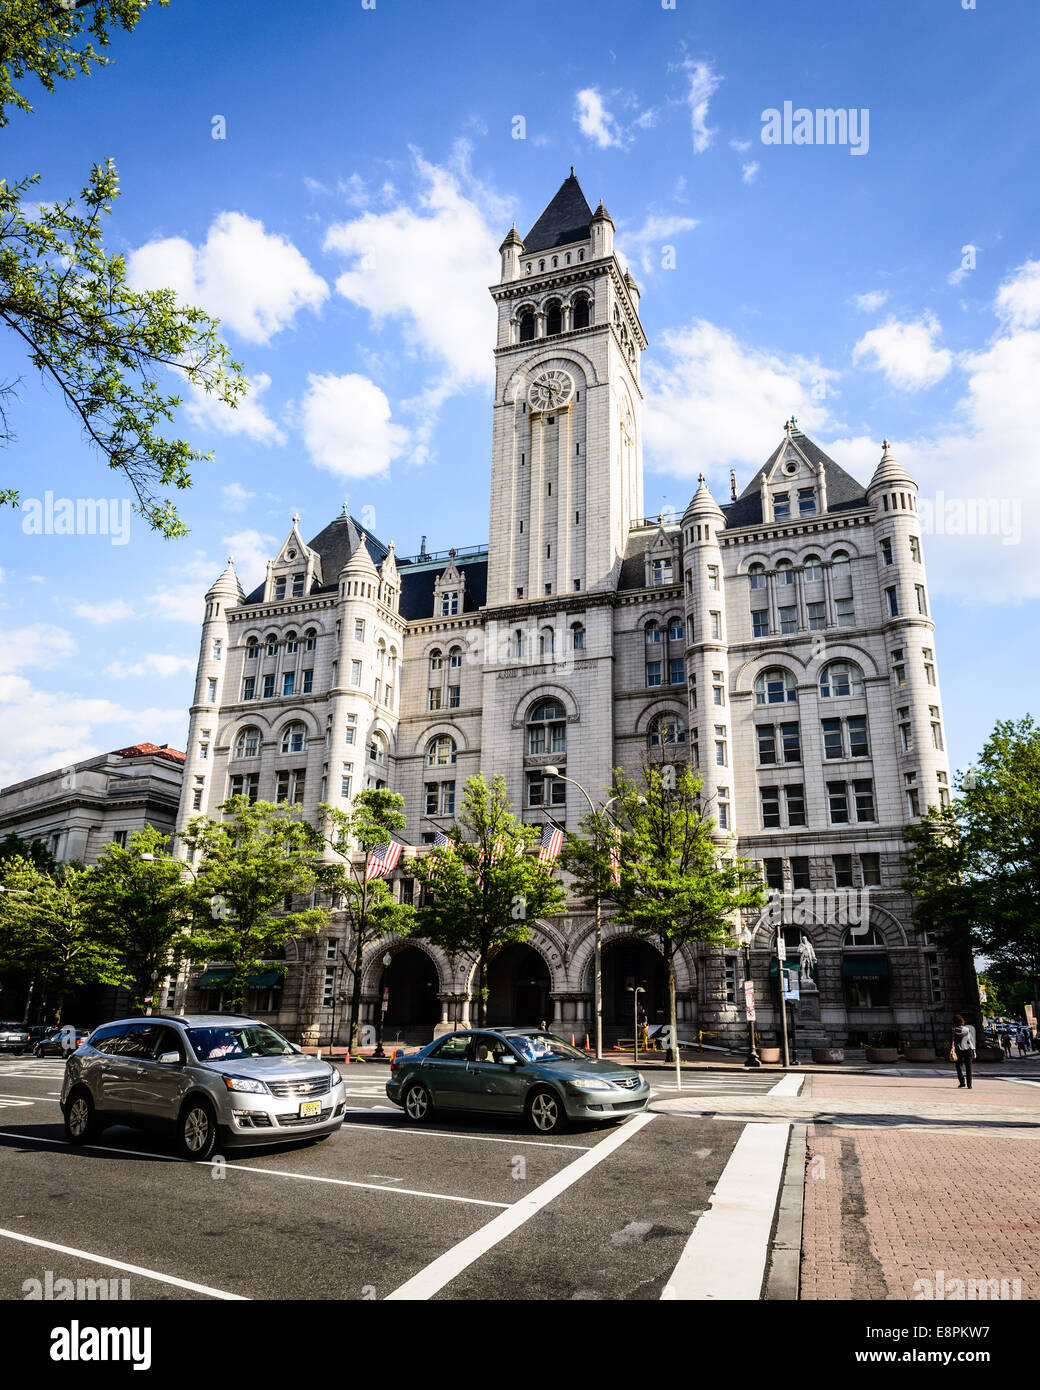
(785, 1254)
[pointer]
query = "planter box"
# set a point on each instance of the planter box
(882, 1054)
(828, 1054)
(769, 1054)
(920, 1054)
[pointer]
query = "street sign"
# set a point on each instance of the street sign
(792, 983)
(781, 947)
(749, 1000)
(386, 1000)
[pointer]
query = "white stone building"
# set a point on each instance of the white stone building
(782, 642)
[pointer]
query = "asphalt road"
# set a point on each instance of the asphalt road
(464, 1208)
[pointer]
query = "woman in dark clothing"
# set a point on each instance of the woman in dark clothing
(963, 1044)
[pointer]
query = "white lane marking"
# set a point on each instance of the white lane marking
(455, 1134)
(130, 1269)
(1014, 1080)
(12, 1101)
(725, 1256)
(12, 1095)
(788, 1085)
(451, 1264)
(367, 1109)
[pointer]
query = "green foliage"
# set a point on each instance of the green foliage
(137, 908)
(370, 908)
(45, 929)
(103, 343)
(482, 893)
(248, 864)
(12, 846)
(51, 39)
(973, 868)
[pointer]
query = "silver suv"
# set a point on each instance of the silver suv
(211, 1077)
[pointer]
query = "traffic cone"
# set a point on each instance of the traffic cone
(572, 1040)
(588, 1045)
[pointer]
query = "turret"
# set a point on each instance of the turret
(601, 233)
(511, 250)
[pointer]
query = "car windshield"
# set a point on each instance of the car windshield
(546, 1047)
(253, 1040)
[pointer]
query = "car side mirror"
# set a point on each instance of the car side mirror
(509, 1061)
(169, 1059)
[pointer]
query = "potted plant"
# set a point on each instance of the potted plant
(880, 1049)
(828, 1055)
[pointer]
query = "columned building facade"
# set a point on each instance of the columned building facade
(780, 642)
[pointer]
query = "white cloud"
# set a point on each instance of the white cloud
(741, 146)
(1018, 299)
(248, 417)
(112, 611)
(347, 426)
(636, 245)
(905, 352)
(720, 403)
(429, 267)
(595, 121)
(180, 603)
(749, 171)
(160, 664)
(251, 551)
(870, 302)
(42, 644)
(254, 281)
(235, 496)
(703, 84)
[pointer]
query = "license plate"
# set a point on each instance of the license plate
(309, 1108)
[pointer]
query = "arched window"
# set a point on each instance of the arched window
(865, 935)
(840, 557)
(582, 311)
(653, 632)
(391, 664)
(676, 630)
(757, 577)
(775, 687)
(271, 643)
(441, 751)
(252, 649)
(436, 659)
(294, 738)
(377, 747)
(813, 572)
(381, 653)
(577, 637)
(526, 325)
(784, 572)
(547, 728)
(553, 319)
(666, 729)
(541, 266)
(292, 644)
(311, 636)
(247, 745)
(546, 641)
(455, 658)
(840, 678)
(866, 976)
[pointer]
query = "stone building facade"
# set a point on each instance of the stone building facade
(781, 642)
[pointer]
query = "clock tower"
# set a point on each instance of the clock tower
(567, 470)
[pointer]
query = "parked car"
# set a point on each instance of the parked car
(60, 1042)
(207, 1077)
(514, 1071)
(14, 1037)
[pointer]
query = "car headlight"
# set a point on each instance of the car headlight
(245, 1083)
(642, 1078)
(584, 1085)
(334, 1079)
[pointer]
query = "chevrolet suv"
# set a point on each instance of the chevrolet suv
(209, 1077)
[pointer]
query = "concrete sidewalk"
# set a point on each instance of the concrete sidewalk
(918, 1190)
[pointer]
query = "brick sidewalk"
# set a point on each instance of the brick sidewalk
(900, 1213)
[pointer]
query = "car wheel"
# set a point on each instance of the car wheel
(545, 1111)
(81, 1125)
(197, 1130)
(37, 1051)
(417, 1104)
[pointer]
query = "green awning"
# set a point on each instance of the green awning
(864, 967)
(791, 967)
(213, 979)
(270, 979)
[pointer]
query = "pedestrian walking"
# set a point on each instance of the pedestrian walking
(1021, 1040)
(1005, 1043)
(962, 1049)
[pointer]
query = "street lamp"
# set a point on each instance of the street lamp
(752, 1059)
(635, 991)
(598, 971)
(387, 958)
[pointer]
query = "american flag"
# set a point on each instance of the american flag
(615, 855)
(441, 841)
(382, 859)
(552, 843)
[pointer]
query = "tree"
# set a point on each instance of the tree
(85, 330)
(593, 860)
(12, 846)
(45, 929)
(678, 884)
(482, 891)
(973, 867)
(371, 911)
(251, 865)
(137, 907)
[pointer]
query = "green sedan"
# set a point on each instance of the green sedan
(514, 1071)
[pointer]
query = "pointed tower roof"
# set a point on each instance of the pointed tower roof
(360, 562)
(228, 586)
(843, 490)
(566, 219)
(890, 472)
(513, 239)
(702, 503)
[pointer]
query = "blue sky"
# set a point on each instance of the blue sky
(347, 227)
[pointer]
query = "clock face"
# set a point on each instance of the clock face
(550, 391)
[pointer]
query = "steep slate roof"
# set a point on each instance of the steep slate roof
(566, 219)
(335, 544)
(417, 581)
(843, 491)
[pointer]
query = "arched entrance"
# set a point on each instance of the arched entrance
(411, 979)
(518, 988)
(628, 961)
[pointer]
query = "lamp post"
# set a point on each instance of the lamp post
(598, 968)
(387, 958)
(635, 990)
(752, 1059)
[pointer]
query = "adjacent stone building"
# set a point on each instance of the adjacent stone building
(780, 641)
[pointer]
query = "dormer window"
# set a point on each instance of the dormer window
(449, 603)
(297, 586)
(781, 506)
(661, 572)
(806, 501)
(279, 587)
